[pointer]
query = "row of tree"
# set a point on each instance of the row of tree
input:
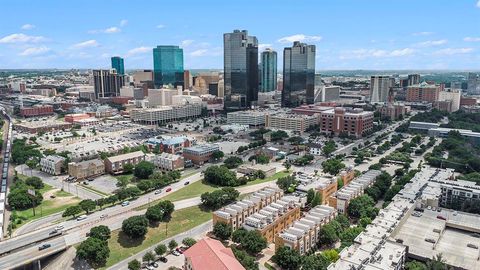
(95, 248)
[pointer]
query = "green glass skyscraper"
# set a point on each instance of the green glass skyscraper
(167, 66)
(269, 70)
(117, 64)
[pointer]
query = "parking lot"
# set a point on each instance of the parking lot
(104, 183)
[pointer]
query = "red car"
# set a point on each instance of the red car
(441, 217)
(168, 190)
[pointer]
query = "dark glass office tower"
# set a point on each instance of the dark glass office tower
(269, 70)
(298, 75)
(107, 83)
(240, 69)
(167, 66)
(117, 64)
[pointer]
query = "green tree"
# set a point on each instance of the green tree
(331, 255)
(286, 182)
(148, 257)
(134, 265)
(218, 198)
(220, 175)
(328, 236)
(128, 168)
(161, 249)
(145, 185)
(364, 221)
(359, 207)
(343, 221)
(287, 258)
(349, 234)
(415, 265)
(245, 260)
(172, 244)
(135, 227)
(251, 241)
(35, 182)
(189, 241)
(154, 213)
(333, 166)
(87, 205)
(143, 169)
(217, 155)
(94, 251)
(437, 263)
(73, 211)
(310, 195)
(315, 262)
(329, 148)
(101, 232)
(317, 200)
(232, 162)
(101, 202)
(222, 230)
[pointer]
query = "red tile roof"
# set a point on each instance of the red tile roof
(210, 254)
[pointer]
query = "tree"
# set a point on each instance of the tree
(20, 199)
(343, 221)
(315, 262)
(415, 265)
(35, 182)
(251, 241)
(287, 165)
(310, 195)
(101, 202)
(128, 168)
(72, 211)
(329, 148)
(262, 159)
(364, 221)
(437, 263)
(220, 175)
(87, 205)
(94, 251)
(245, 260)
(287, 258)
(172, 244)
(285, 183)
(333, 166)
(219, 198)
(359, 207)
(111, 199)
(328, 235)
(148, 257)
(189, 241)
(331, 255)
(317, 199)
(232, 162)
(222, 230)
(349, 234)
(161, 249)
(135, 226)
(154, 214)
(145, 185)
(101, 232)
(217, 155)
(143, 169)
(134, 265)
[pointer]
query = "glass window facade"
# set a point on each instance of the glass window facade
(298, 75)
(269, 71)
(240, 69)
(117, 64)
(168, 66)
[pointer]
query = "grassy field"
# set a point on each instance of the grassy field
(122, 247)
(124, 176)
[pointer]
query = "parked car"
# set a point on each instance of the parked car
(168, 190)
(174, 252)
(441, 217)
(472, 246)
(125, 203)
(163, 259)
(154, 264)
(82, 217)
(44, 246)
(186, 183)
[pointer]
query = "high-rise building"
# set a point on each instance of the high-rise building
(187, 79)
(269, 70)
(107, 83)
(473, 84)
(240, 69)
(380, 88)
(413, 79)
(423, 92)
(117, 64)
(168, 66)
(298, 75)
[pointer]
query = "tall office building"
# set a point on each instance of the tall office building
(269, 70)
(240, 65)
(298, 75)
(473, 84)
(380, 88)
(107, 83)
(413, 79)
(117, 64)
(168, 66)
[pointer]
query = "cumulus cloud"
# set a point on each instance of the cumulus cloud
(299, 37)
(123, 22)
(452, 51)
(186, 43)
(472, 39)
(21, 38)
(138, 50)
(27, 26)
(431, 43)
(86, 44)
(161, 26)
(201, 52)
(35, 51)
(375, 53)
(478, 4)
(109, 30)
(422, 33)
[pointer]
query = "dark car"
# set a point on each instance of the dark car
(186, 183)
(441, 217)
(44, 246)
(168, 190)
(163, 259)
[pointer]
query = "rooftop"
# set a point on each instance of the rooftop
(210, 254)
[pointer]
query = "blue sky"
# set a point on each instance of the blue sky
(349, 34)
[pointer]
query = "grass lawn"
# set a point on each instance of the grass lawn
(124, 176)
(122, 247)
(62, 193)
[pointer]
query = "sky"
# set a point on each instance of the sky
(348, 34)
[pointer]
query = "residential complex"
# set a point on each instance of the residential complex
(52, 164)
(200, 154)
(38, 110)
(352, 122)
(423, 92)
(116, 164)
(163, 114)
(168, 162)
(86, 169)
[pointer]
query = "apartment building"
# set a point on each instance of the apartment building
(236, 213)
(251, 118)
(200, 154)
(36, 111)
(323, 185)
(352, 122)
(52, 164)
(340, 199)
(115, 164)
(210, 254)
(304, 233)
(168, 162)
(170, 145)
(294, 122)
(393, 111)
(423, 92)
(86, 169)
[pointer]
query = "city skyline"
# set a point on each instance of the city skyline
(366, 34)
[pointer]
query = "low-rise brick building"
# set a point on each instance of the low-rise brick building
(115, 164)
(86, 169)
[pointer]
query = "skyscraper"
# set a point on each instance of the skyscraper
(473, 84)
(413, 79)
(380, 88)
(107, 83)
(269, 70)
(117, 64)
(168, 66)
(298, 75)
(240, 69)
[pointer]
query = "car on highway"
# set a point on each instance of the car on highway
(125, 203)
(186, 183)
(54, 231)
(59, 227)
(168, 190)
(82, 217)
(44, 246)
(102, 216)
(158, 191)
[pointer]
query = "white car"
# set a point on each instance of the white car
(125, 203)
(59, 227)
(82, 217)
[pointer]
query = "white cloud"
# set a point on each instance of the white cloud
(34, 51)
(27, 26)
(422, 33)
(21, 38)
(299, 37)
(161, 26)
(110, 30)
(186, 43)
(472, 39)
(201, 52)
(123, 23)
(452, 51)
(478, 4)
(138, 50)
(375, 53)
(430, 43)
(86, 44)
(262, 47)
